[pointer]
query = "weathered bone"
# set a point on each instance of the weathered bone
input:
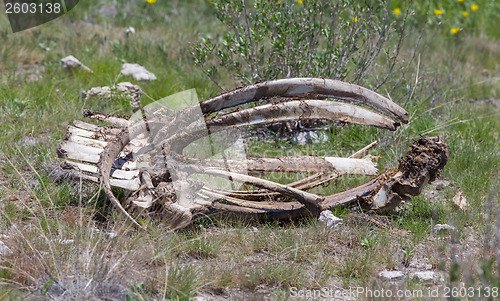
(421, 164)
(305, 88)
(104, 155)
(311, 201)
(303, 109)
(116, 121)
(303, 184)
(290, 164)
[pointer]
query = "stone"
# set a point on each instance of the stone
(137, 71)
(444, 228)
(441, 184)
(391, 275)
(27, 141)
(423, 276)
(71, 62)
(55, 288)
(302, 138)
(129, 30)
(127, 89)
(329, 220)
(420, 265)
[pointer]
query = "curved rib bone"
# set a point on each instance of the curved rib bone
(303, 109)
(305, 87)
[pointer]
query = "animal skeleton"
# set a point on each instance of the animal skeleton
(146, 156)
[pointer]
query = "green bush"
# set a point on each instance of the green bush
(317, 38)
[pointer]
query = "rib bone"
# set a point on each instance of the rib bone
(305, 88)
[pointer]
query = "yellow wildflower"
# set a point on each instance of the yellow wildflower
(299, 1)
(460, 0)
(151, 1)
(397, 11)
(355, 19)
(465, 13)
(279, 1)
(438, 12)
(455, 30)
(474, 7)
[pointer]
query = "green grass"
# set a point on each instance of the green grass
(482, 21)
(457, 96)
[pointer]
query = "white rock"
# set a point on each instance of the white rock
(28, 141)
(420, 265)
(302, 138)
(71, 62)
(98, 91)
(127, 89)
(423, 276)
(4, 250)
(200, 298)
(441, 184)
(137, 72)
(329, 220)
(129, 30)
(391, 275)
(443, 228)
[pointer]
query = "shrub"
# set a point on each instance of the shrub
(313, 38)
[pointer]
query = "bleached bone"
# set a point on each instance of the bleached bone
(116, 121)
(89, 134)
(76, 151)
(290, 164)
(115, 147)
(305, 88)
(303, 184)
(301, 110)
(95, 128)
(128, 184)
(421, 165)
(115, 173)
(310, 201)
